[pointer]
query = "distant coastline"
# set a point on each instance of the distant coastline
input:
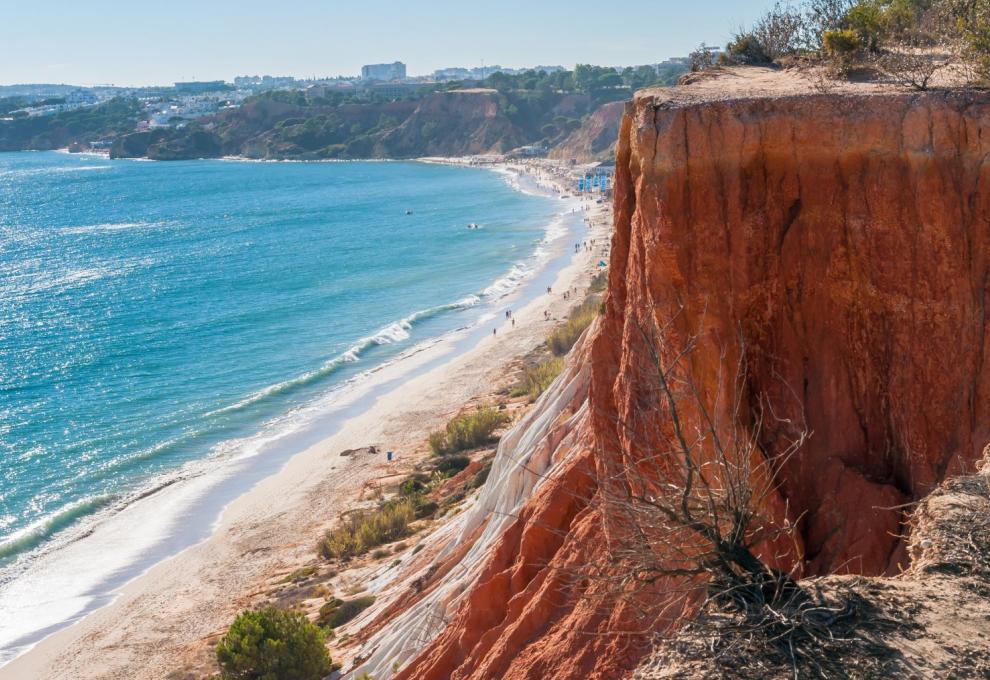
(195, 485)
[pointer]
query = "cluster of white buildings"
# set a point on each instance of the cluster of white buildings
(482, 72)
(48, 106)
(185, 101)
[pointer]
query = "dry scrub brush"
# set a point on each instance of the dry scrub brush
(695, 523)
(688, 493)
(468, 431)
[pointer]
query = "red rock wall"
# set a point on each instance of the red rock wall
(841, 245)
(846, 240)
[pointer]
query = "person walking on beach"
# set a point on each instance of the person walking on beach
(494, 332)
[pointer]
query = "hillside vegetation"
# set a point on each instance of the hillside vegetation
(451, 123)
(79, 126)
(496, 115)
(912, 43)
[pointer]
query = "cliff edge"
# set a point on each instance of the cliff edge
(836, 247)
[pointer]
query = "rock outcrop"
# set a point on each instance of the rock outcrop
(839, 247)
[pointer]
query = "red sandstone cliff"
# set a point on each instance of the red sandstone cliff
(839, 242)
(595, 139)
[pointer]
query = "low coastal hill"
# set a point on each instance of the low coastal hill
(284, 125)
(543, 109)
(455, 123)
(112, 118)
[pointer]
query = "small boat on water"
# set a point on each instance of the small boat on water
(473, 225)
(409, 212)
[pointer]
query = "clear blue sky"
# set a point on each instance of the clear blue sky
(142, 42)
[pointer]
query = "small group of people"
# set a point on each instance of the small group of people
(509, 317)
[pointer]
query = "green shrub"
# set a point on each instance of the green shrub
(273, 644)
(562, 339)
(841, 43)
(438, 441)
(746, 49)
(413, 485)
(451, 465)
(338, 612)
(299, 575)
(842, 48)
(363, 531)
(866, 20)
(468, 431)
(536, 379)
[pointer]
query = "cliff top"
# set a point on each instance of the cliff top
(755, 82)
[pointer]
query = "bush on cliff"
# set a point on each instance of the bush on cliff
(338, 612)
(562, 339)
(362, 531)
(969, 22)
(842, 47)
(536, 379)
(777, 33)
(468, 431)
(273, 644)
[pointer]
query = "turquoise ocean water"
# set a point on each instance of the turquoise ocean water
(157, 314)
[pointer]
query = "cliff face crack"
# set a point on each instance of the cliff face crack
(792, 215)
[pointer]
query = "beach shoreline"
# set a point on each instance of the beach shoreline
(275, 523)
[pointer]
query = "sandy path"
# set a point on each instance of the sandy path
(273, 528)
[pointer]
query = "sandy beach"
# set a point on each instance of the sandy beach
(170, 612)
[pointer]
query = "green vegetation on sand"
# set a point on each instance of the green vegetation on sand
(536, 379)
(562, 339)
(468, 431)
(273, 644)
(364, 530)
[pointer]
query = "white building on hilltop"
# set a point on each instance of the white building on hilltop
(386, 72)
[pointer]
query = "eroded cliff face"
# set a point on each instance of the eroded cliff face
(843, 242)
(595, 140)
(836, 244)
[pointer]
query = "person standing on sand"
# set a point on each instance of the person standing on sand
(494, 332)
